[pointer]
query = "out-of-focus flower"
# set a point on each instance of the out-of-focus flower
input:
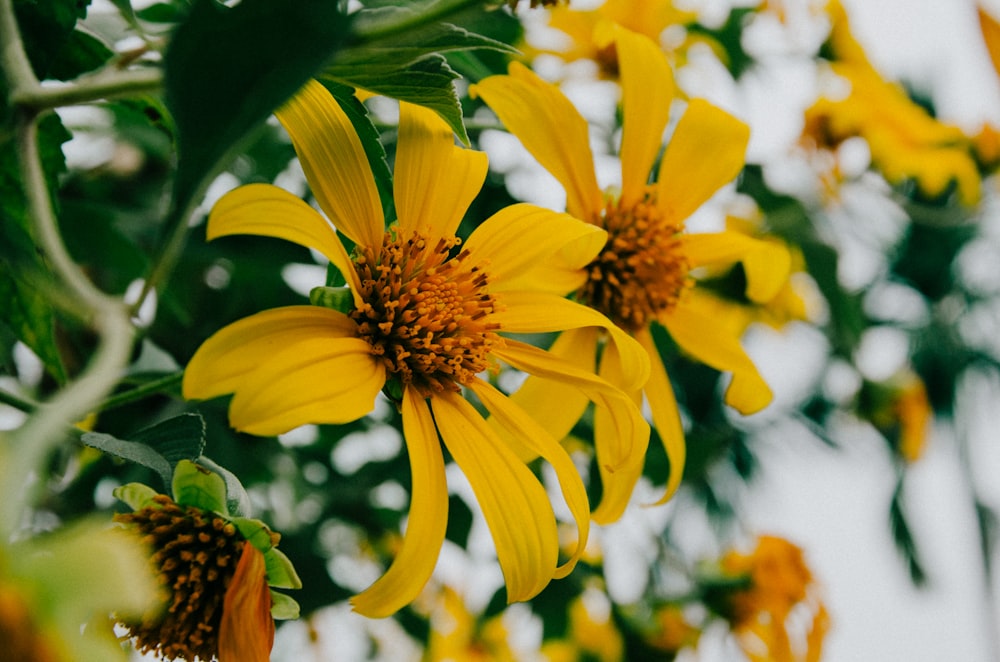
(672, 630)
(584, 29)
(58, 590)
(906, 143)
(421, 319)
(214, 573)
(457, 635)
(591, 632)
(643, 276)
(779, 581)
(900, 409)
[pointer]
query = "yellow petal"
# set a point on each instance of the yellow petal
(766, 263)
(246, 632)
(551, 129)
(539, 312)
(666, 417)
(705, 153)
(529, 247)
(434, 180)
(426, 524)
(697, 333)
(617, 452)
(557, 406)
(265, 210)
(617, 482)
(317, 380)
(531, 434)
(514, 503)
(991, 36)
(334, 163)
(223, 362)
(647, 90)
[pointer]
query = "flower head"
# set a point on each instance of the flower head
(645, 273)
(779, 581)
(216, 603)
(427, 314)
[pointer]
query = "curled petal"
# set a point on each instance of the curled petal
(334, 163)
(767, 263)
(532, 248)
(666, 417)
(514, 503)
(697, 333)
(618, 452)
(246, 633)
(539, 312)
(532, 435)
(705, 153)
(426, 524)
(554, 131)
(434, 180)
(266, 210)
(647, 90)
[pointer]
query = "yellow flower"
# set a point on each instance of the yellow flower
(216, 603)
(584, 28)
(425, 320)
(906, 143)
(457, 636)
(901, 410)
(779, 581)
(589, 635)
(673, 631)
(643, 276)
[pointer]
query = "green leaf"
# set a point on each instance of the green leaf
(254, 532)
(197, 486)
(178, 438)
(136, 495)
(237, 499)
(161, 12)
(25, 307)
(407, 64)
(78, 54)
(228, 68)
(280, 571)
(283, 608)
(129, 450)
(45, 27)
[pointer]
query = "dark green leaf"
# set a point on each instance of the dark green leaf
(129, 450)
(178, 438)
(227, 69)
(408, 65)
(903, 537)
(45, 27)
(78, 54)
(162, 12)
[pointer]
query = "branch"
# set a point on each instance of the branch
(87, 89)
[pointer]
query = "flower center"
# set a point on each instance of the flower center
(425, 312)
(642, 271)
(195, 555)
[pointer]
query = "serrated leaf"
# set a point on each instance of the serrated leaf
(283, 608)
(135, 495)
(129, 450)
(228, 68)
(178, 438)
(197, 486)
(280, 571)
(408, 64)
(254, 532)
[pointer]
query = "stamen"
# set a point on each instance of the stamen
(425, 312)
(642, 271)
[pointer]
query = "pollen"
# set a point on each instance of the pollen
(195, 557)
(642, 271)
(426, 311)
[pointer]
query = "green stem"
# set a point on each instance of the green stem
(25, 449)
(414, 19)
(18, 402)
(87, 89)
(139, 392)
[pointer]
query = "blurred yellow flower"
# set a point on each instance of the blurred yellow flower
(591, 633)
(779, 581)
(456, 635)
(424, 320)
(644, 274)
(906, 143)
(673, 631)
